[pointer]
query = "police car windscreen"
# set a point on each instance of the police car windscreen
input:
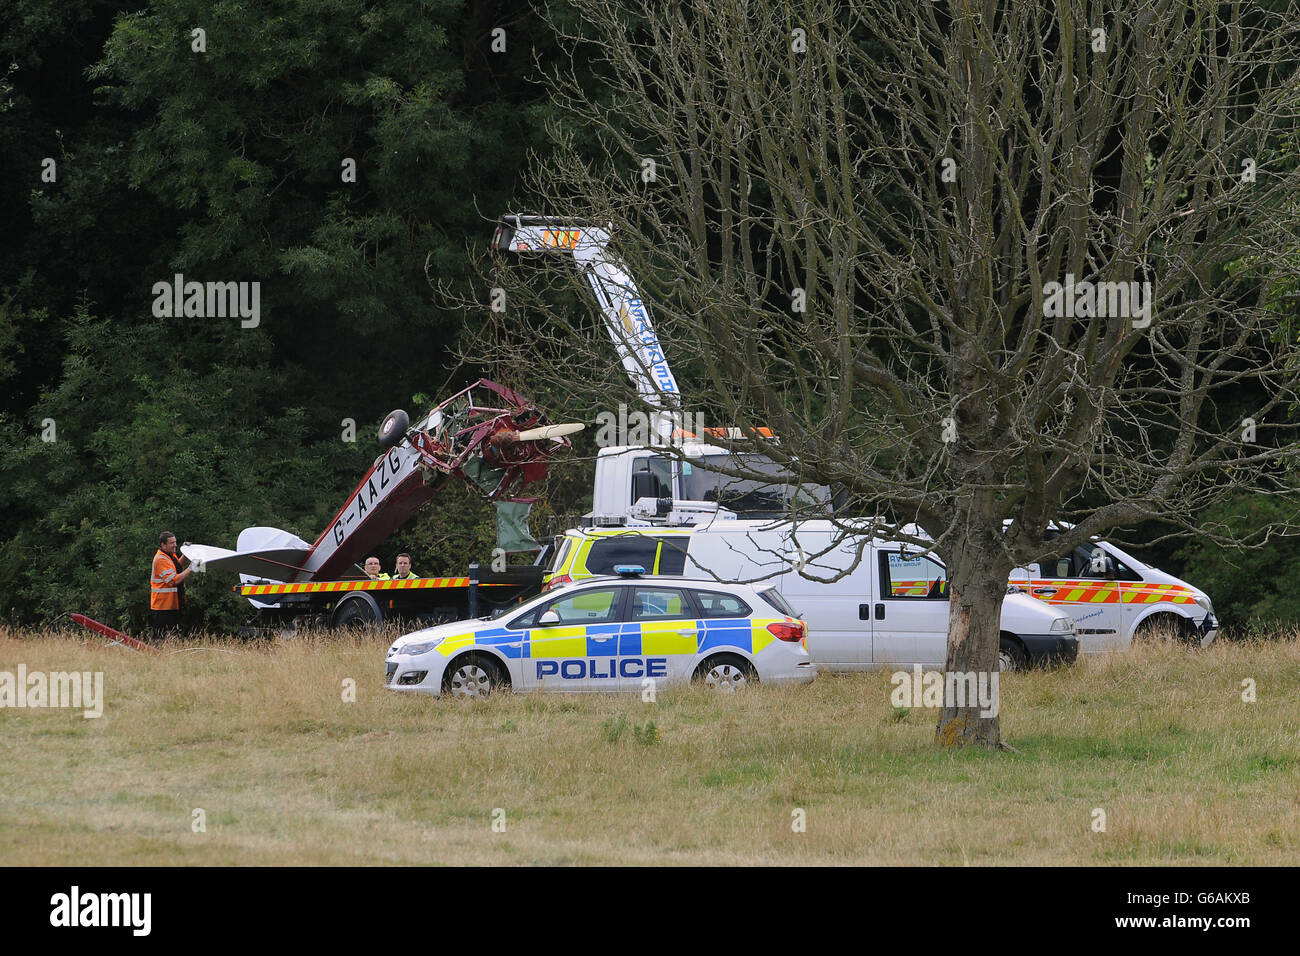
(747, 496)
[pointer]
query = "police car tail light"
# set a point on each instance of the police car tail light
(791, 633)
(557, 580)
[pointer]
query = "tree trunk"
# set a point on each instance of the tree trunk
(976, 590)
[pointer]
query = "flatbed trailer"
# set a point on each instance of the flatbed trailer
(355, 604)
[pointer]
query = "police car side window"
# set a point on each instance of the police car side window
(720, 604)
(651, 603)
(586, 607)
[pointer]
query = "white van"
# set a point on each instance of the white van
(890, 610)
(1116, 598)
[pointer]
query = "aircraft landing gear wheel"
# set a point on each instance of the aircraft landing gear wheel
(392, 431)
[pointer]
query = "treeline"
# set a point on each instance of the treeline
(345, 155)
(340, 154)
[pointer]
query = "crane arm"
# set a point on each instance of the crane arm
(624, 310)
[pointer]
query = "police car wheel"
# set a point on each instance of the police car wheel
(726, 672)
(473, 677)
(1011, 656)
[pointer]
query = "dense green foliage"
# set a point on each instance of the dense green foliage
(226, 165)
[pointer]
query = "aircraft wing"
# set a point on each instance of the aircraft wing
(277, 564)
(264, 553)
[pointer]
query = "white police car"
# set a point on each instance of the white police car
(611, 633)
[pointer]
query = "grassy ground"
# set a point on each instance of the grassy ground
(287, 772)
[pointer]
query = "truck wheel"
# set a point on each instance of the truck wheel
(474, 677)
(392, 431)
(726, 672)
(355, 615)
(1011, 656)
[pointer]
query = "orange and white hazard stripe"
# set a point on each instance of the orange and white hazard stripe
(329, 587)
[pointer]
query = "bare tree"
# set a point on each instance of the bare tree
(972, 261)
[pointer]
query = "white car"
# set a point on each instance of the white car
(629, 632)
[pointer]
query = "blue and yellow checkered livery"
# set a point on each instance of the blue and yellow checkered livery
(653, 638)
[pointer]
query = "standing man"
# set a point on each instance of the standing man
(164, 582)
(403, 571)
(372, 569)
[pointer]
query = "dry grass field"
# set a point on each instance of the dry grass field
(260, 738)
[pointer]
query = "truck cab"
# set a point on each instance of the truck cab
(639, 484)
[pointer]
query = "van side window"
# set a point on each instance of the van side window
(607, 553)
(718, 604)
(672, 555)
(1079, 565)
(665, 555)
(912, 576)
(561, 553)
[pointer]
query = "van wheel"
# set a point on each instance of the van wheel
(726, 672)
(474, 677)
(1011, 656)
(1165, 627)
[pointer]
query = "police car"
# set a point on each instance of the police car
(625, 632)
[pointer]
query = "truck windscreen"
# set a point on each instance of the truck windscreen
(751, 497)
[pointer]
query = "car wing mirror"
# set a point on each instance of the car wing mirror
(548, 619)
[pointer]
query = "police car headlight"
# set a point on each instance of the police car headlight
(1065, 624)
(423, 647)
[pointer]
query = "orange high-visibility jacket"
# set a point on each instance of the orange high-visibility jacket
(162, 584)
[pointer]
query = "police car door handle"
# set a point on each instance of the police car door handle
(1047, 591)
(601, 639)
(688, 633)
